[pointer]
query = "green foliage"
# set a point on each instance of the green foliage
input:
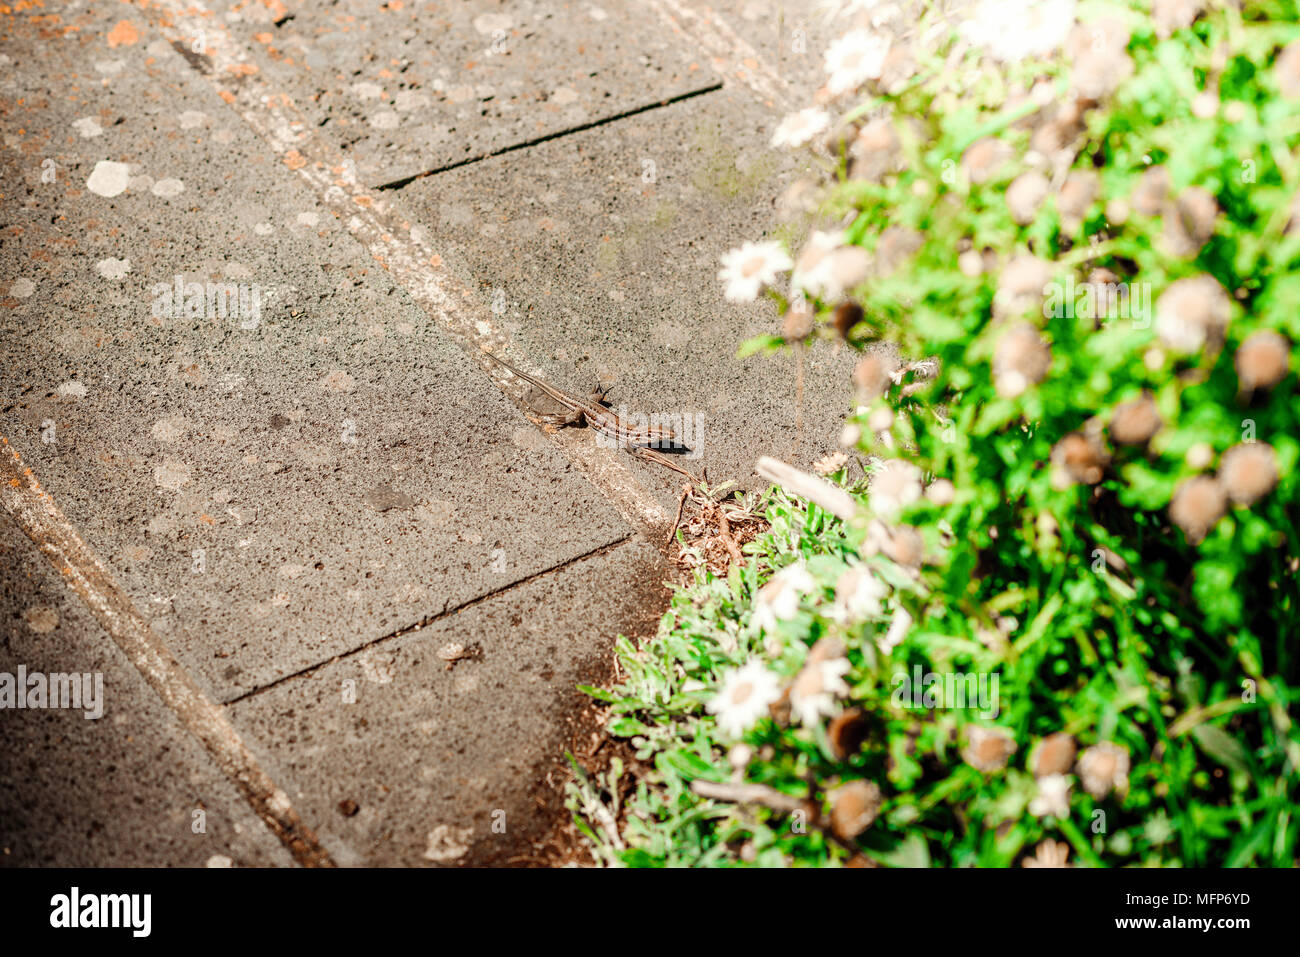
(1115, 600)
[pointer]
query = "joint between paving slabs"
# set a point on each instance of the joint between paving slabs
(442, 615)
(559, 134)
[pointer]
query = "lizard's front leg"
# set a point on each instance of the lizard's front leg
(554, 421)
(548, 412)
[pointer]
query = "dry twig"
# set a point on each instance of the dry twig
(714, 531)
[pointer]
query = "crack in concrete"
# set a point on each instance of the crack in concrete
(428, 620)
(558, 134)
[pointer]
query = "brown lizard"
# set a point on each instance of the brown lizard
(633, 439)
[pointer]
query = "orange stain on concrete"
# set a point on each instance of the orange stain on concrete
(123, 35)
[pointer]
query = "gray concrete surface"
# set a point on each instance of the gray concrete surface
(278, 495)
(455, 762)
(423, 86)
(130, 788)
(330, 491)
(604, 247)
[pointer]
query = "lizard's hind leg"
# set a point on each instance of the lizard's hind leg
(650, 455)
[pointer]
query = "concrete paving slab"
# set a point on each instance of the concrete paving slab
(130, 788)
(400, 756)
(600, 252)
(277, 486)
(288, 486)
(409, 88)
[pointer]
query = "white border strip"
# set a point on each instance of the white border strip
(45, 524)
(729, 55)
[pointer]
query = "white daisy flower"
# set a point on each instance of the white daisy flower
(876, 12)
(853, 59)
(1103, 767)
(744, 697)
(798, 128)
(1049, 853)
(751, 267)
(898, 629)
(812, 273)
(1053, 797)
(778, 600)
(830, 463)
(1191, 312)
(858, 595)
(894, 487)
(1015, 30)
(812, 696)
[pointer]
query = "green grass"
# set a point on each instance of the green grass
(1063, 565)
